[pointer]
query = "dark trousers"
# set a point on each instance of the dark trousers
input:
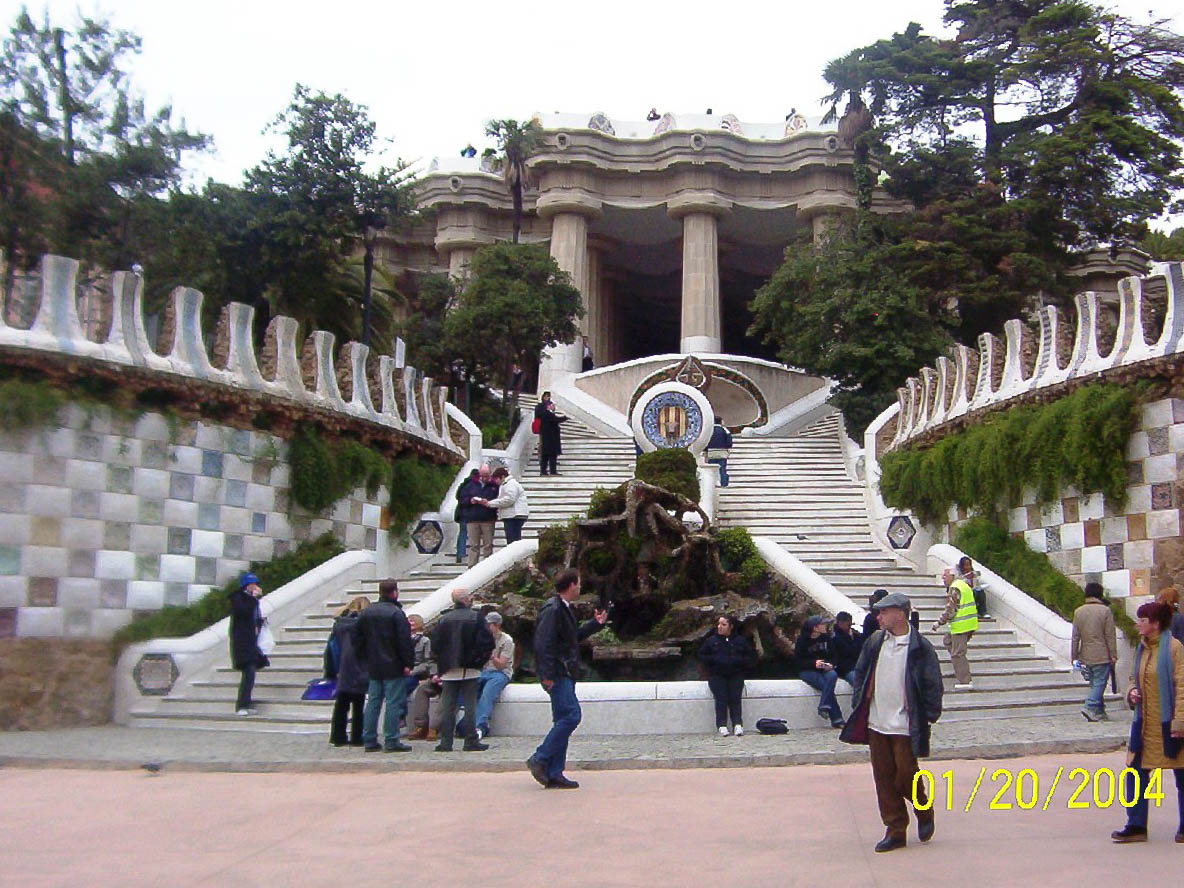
(893, 768)
(452, 690)
(1137, 815)
(727, 691)
(552, 460)
(980, 601)
(513, 529)
(565, 718)
(347, 706)
(246, 685)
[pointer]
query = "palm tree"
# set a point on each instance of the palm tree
(516, 141)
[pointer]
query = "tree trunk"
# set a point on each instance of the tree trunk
(516, 195)
(993, 149)
(59, 42)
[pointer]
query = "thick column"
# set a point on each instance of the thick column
(459, 259)
(701, 329)
(569, 247)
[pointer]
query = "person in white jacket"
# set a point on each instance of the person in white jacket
(510, 503)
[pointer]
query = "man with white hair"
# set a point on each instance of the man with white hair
(462, 644)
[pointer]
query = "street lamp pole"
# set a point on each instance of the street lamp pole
(369, 236)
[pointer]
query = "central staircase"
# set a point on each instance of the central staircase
(796, 491)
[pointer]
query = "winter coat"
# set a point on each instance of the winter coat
(844, 650)
(511, 501)
(721, 439)
(557, 640)
(245, 623)
(458, 514)
(922, 686)
(382, 640)
(1158, 673)
(809, 649)
(425, 664)
(550, 443)
(727, 657)
(461, 640)
(1094, 640)
(341, 658)
(471, 511)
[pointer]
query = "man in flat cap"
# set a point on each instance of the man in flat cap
(897, 697)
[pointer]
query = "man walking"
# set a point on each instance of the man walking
(898, 695)
(961, 615)
(461, 643)
(382, 640)
(1094, 648)
(557, 660)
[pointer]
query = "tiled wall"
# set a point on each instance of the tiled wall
(1131, 550)
(108, 515)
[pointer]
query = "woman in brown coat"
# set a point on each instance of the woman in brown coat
(1157, 734)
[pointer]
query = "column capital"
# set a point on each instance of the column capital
(580, 202)
(688, 202)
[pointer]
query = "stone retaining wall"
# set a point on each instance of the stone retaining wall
(54, 683)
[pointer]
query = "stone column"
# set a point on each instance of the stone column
(701, 330)
(459, 259)
(569, 247)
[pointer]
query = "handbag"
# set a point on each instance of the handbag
(265, 640)
(320, 689)
(536, 425)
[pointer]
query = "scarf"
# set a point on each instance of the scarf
(1164, 674)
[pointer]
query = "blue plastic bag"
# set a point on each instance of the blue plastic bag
(320, 689)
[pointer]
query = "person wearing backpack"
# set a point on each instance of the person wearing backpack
(728, 656)
(462, 644)
(342, 665)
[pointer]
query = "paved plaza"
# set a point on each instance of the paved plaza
(651, 827)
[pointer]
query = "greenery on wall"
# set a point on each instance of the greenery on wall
(26, 405)
(1078, 440)
(323, 472)
(672, 469)
(416, 486)
(178, 622)
(987, 543)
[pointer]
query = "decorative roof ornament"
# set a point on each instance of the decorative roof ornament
(665, 124)
(794, 123)
(600, 122)
(731, 123)
(692, 372)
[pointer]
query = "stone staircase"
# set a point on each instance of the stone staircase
(796, 491)
(207, 701)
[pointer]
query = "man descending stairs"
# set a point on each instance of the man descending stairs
(796, 491)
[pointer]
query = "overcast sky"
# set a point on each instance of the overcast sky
(432, 73)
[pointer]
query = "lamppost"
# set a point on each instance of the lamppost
(374, 224)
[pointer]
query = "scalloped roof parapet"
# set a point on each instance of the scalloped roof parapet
(307, 377)
(920, 413)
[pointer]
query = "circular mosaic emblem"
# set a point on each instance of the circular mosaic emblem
(671, 419)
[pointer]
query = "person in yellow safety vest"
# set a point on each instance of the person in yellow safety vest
(961, 616)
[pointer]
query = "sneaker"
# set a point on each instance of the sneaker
(1090, 715)
(969, 686)
(246, 712)
(738, 730)
(480, 734)
(723, 732)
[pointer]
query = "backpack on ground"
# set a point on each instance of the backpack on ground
(772, 725)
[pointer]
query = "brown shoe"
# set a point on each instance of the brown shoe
(431, 735)
(419, 734)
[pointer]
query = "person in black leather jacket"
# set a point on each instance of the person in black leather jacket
(461, 643)
(382, 641)
(728, 656)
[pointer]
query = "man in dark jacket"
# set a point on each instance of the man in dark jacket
(461, 515)
(479, 518)
(550, 442)
(557, 660)
(898, 693)
(845, 644)
(382, 641)
(461, 643)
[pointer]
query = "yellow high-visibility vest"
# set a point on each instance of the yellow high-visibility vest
(966, 617)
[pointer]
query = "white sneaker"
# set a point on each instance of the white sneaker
(738, 730)
(723, 732)
(246, 712)
(480, 735)
(964, 687)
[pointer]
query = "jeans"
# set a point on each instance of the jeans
(980, 601)
(346, 707)
(727, 691)
(1137, 815)
(1098, 676)
(448, 699)
(246, 685)
(565, 718)
(462, 538)
(824, 682)
(723, 470)
(490, 685)
(513, 528)
(392, 691)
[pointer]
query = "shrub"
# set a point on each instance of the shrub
(673, 470)
(605, 502)
(28, 404)
(1078, 440)
(553, 542)
(1030, 571)
(416, 486)
(179, 622)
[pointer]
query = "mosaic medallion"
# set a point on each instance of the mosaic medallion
(155, 674)
(428, 537)
(672, 419)
(901, 532)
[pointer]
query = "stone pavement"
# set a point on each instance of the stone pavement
(653, 828)
(176, 749)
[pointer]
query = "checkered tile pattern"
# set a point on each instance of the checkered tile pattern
(109, 515)
(1089, 539)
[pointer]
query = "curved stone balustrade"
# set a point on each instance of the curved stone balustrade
(1149, 325)
(307, 375)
